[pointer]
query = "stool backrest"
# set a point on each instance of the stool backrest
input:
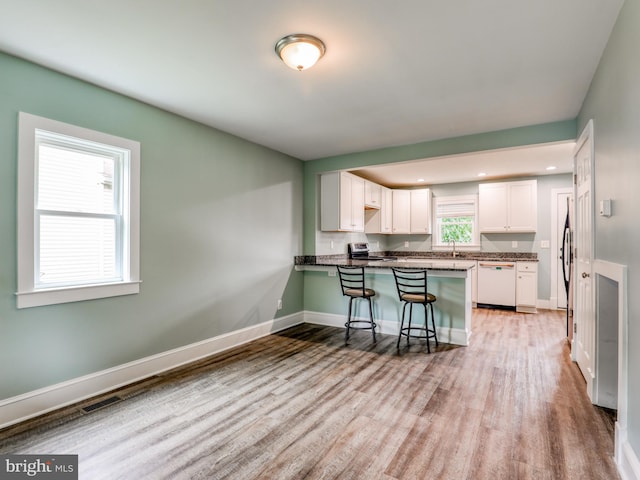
(351, 278)
(412, 281)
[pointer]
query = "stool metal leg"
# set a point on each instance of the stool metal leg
(373, 325)
(433, 322)
(410, 317)
(426, 326)
(404, 308)
(348, 324)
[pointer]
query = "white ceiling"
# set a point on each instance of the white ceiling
(394, 73)
(495, 164)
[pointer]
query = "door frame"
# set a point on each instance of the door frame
(555, 242)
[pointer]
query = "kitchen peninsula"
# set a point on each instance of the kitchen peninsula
(450, 279)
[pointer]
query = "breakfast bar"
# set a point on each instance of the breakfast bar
(448, 279)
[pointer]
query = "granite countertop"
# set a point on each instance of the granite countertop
(418, 259)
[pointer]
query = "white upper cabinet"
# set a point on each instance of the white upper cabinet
(349, 203)
(372, 195)
(341, 202)
(421, 211)
(508, 207)
(401, 216)
(379, 220)
(386, 210)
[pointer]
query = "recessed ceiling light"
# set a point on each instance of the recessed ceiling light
(482, 174)
(421, 180)
(551, 167)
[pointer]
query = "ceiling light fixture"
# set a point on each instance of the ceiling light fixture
(421, 179)
(482, 174)
(300, 51)
(551, 167)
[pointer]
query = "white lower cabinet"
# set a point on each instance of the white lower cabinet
(527, 287)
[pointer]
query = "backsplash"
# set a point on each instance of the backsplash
(335, 243)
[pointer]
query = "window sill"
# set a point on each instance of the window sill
(53, 296)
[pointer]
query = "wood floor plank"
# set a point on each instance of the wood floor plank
(302, 404)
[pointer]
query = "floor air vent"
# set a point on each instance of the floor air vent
(102, 403)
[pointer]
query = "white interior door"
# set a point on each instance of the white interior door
(584, 340)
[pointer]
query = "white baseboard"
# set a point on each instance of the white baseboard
(545, 304)
(626, 458)
(454, 336)
(31, 404)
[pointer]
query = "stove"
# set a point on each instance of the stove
(360, 251)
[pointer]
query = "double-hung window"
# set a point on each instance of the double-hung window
(456, 221)
(78, 213)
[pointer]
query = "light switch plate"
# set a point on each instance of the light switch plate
(514, 244)
(544, 243)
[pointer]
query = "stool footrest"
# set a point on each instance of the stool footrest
(367, 325)
(406, 332)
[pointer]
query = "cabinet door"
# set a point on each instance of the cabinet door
(345, 202)
(330, 202)
(421, 211)
(523, 206)
(372, 195)
(386, 210)
(526, 289)
(492, 207)
(401, 218)
(357, 204)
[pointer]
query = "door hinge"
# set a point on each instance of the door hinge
(575, 179)
(575, 328)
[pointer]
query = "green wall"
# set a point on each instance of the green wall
(221, 220)
(613, 102)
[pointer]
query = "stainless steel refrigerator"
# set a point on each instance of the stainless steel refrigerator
(566, 256)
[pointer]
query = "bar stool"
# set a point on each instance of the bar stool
(412, 288)
(353, 286)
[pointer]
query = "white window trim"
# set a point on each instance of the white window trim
(469, 247)
(27, 294)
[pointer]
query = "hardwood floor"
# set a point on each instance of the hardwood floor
(300, 404)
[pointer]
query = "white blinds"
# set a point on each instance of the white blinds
(78, 214)
(460, 208)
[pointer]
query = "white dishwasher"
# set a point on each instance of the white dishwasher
(497, 283)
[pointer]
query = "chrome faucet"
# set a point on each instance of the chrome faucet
(453, 253)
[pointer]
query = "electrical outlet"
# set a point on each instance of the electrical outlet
(544, 244)
(514, 244)
(406, 244)
(279, 304)
(332, 273)
(331, 244)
